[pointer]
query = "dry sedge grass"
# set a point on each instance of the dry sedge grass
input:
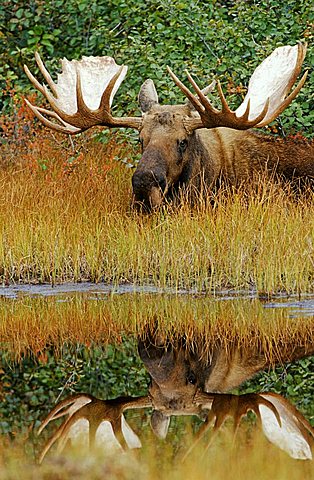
(251, 458)
(32, 325)
(64, 220)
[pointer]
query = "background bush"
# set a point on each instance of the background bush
(30, 388)
(223, 38)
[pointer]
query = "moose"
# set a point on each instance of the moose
(190, 145)
(185, 382)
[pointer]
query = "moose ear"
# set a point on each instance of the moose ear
(147, 96)
(158, 361)
(160, 424)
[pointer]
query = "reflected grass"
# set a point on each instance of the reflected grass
(33, 326)
(63, 223)
(30, 325)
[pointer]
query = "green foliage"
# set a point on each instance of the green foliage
(31, 388)
(294, 381)
(227, 39)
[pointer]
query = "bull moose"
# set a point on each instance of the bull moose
(193, 144)
(184, 381)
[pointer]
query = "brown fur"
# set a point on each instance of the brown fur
(178, 374)
(208, 154)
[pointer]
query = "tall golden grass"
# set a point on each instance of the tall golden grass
(67, 219)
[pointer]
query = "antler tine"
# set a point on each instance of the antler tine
(51, 114)
(55, 126)
(224, 104)
(209, 88)
(34, 80)
(52, 440)
(203, 99)
(81, 105)
(246, 114)
(201, 432)
(45, 74)
(195, 102)
(105, 99)
(66, 404)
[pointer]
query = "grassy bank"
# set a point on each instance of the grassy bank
(69, 218)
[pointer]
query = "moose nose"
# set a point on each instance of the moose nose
(143, 182)
(175, 404)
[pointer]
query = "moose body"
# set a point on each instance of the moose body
(185, 145)
(173, 157)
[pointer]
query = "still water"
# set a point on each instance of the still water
(141, 360)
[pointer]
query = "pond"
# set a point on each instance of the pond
(174, 374)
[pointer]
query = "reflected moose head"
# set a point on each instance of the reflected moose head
(179, 372)
(183, 382)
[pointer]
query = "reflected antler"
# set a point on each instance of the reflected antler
(101, 421)
(281, 422)
(295, 435)
(266, 97)
(83, 95)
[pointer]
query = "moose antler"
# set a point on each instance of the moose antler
(266, 96)
(83, 95)
(281, 422)
(101, 421)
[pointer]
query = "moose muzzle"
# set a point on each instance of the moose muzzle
(149, 187)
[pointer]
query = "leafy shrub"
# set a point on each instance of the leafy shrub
(227, 39)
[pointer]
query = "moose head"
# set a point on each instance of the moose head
(181, 144)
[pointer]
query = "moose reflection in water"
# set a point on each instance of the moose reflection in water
(185, 381)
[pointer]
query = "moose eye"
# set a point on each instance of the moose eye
(182, 145)
(191, 378)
